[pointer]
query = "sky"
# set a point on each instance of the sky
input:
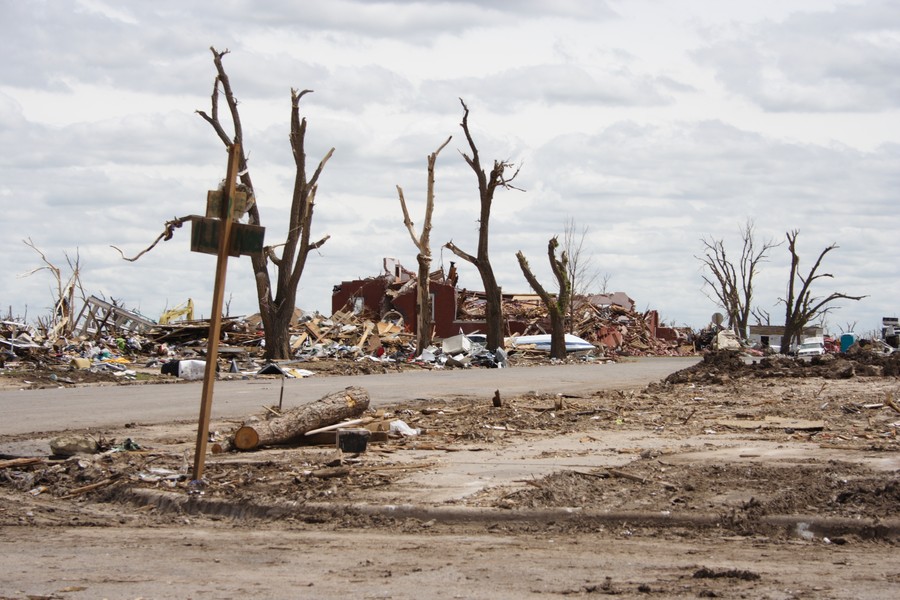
(648, 125)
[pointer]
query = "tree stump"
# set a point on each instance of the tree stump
(293, 424)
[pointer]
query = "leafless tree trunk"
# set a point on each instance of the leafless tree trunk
(581, 271)
(276, 310)
(732, 283)
(557, 307)
(487, 185)
(423, 245)
(801, 307)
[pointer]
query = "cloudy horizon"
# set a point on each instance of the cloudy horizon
(652, 124)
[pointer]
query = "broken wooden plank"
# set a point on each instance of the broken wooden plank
(299, 341)
(13, 463)
(596, 475)
(315, 331)
(367, 329)
(624, 475)
(773, 423)
(889, 400)
(336, 426)
(385, 328)
(331, 472)
(92, 487)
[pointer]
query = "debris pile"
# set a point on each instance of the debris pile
(616, 330)
(723, 365)
(628, 333)
(110, 343)
(347, 335)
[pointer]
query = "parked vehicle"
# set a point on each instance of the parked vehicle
(811, 347)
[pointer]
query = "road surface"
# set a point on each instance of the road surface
(47, 410)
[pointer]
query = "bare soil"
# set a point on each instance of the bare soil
(768, 479)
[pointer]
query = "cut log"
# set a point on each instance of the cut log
(293, 424)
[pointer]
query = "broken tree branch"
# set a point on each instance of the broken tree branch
(165, 236)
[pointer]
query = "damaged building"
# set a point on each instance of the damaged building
(609, 321)
(392, 296)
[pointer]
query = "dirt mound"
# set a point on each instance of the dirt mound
(740, 493)
(723, 365)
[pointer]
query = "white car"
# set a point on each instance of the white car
(810, 349)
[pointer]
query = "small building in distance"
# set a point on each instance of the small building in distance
(769, 336)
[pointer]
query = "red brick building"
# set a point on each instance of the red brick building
(393, 294)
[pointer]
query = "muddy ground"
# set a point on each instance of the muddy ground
(774, 479)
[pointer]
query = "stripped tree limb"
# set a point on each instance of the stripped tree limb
(60, 321)
(165, 236)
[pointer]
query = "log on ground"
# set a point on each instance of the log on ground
(291, 426)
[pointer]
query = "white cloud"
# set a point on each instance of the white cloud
(651, 123)
(839, 60)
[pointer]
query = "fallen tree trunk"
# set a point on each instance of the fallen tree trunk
(293, 424)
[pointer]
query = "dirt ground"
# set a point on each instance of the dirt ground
(774, 478)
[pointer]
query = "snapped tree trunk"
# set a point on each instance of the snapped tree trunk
(293, 424)
(487, 185)
(493, 312)
(423, 245)
(556, 307)
(424, 323)
(557, 335)
(276, 306)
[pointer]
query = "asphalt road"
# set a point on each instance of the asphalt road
(48, 410)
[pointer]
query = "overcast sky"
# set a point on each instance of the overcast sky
(652, 123)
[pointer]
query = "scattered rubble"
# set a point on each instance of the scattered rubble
(114, 345)
(693, 448)
(724, 365)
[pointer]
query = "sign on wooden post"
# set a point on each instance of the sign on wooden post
(217, 233)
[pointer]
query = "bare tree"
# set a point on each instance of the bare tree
(289, 258)
(732, 284)
(556, 307)
(801, 307)
(60, 322)
(850, 327)
(487, 185)
(761, 315)
(276, 310)
(423, 245)
(581, 271)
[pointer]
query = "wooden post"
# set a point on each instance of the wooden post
(215, 322)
